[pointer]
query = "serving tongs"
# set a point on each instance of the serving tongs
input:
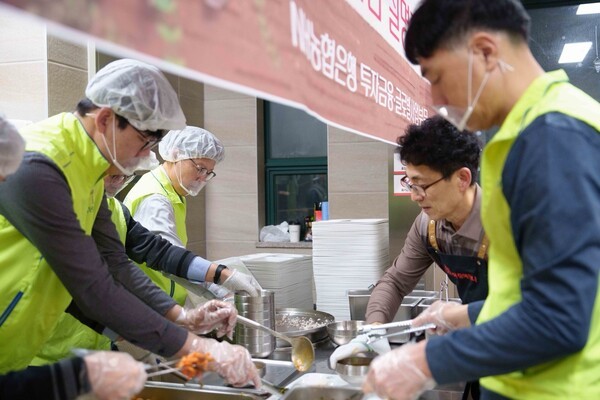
(398, 324)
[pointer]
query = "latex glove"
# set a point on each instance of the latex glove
(446, 315)
(214, 314)
(114, 375)
(240, 281)
(359, 345)
(401, 374)
(232, 362)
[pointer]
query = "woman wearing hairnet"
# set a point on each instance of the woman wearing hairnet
(106, 375)
(60, 245)
(157, 201)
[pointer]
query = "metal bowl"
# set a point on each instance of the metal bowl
(354, 369)
(295, 322)
(343, 332)
(261, 367)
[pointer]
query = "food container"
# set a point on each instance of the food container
(174, 391)
(320, 392)
(423, 305)
(358, 300)
(262, 310)
(294, 322)
(354, 369)
(343, 332)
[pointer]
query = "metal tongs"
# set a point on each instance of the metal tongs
(374, 332)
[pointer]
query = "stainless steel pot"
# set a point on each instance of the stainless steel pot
(262, 310)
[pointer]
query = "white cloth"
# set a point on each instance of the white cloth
(156, 214)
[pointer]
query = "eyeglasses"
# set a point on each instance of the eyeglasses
(203, 172)
(150, 142)
(419, 190)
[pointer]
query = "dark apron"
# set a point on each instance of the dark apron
(469, 274)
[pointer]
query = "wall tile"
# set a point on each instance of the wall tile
(21, 39)
(196, 218)
(218, 250)
(358, 167)
(66, 86)
(215, 93)
(358, 205)
(336, 135)
(190, 88)
(67, 53)
(198, 248)
(237, 173)
(231, 217)
(233, 121)
(193, 108)
(23, 94)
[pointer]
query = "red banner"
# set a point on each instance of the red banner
(323, 56)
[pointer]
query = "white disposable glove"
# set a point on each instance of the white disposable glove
(397, 375)
(114, 375)
(214, 314)
(240, 281)
(446, 315)
(359, 345)
(232, 362)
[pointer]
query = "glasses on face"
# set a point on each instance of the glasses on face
(203, 172)
(150, 142)
(419, 190)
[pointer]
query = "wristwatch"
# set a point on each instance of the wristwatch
(218, 271)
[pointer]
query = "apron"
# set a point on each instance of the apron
(469, 274)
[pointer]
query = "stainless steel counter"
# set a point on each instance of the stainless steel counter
(279, 371)
(321, 365)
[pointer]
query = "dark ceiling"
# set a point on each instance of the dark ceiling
(551, 28)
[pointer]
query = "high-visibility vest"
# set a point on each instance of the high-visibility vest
(32, 297)
(574, 376)
(157, 182)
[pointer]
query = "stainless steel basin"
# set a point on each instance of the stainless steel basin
(176, 391)
(314, 392)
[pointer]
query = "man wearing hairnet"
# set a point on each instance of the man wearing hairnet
(142, 246)
(106, 375)
(157, 201)
(59, 243)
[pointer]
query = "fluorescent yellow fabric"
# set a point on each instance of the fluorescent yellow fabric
(157, 182)
(32, 298)
(576, 376)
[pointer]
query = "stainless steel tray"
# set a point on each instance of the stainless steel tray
(299, 322)
(175, 391)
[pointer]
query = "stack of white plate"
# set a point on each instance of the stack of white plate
(349, 253)
(290, 276)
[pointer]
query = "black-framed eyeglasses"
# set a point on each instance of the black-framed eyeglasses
(419, 190)
(150, 142)
(203, 172)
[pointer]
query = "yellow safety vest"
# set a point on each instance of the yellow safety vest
(575, 376)
(32, 298)
(69, 333)
(157, 182)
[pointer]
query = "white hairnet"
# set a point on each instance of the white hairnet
(191, 142)
(12, 147)
(138, 92)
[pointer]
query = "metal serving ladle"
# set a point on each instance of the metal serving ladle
(303, 354)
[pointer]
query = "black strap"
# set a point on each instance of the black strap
(217, 277)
